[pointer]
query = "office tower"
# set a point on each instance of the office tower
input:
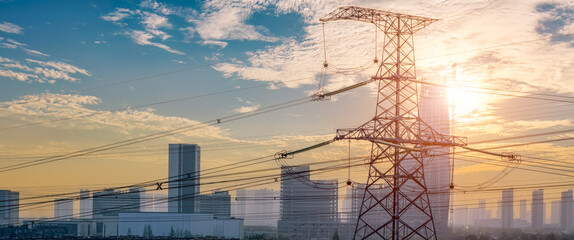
(538, 209)
(555, 212)
(218, 203)
(507, 208)
(184, 169)
(357, 193)
(63, 209)
(110, 202)
(85, 204)
(499, 209)
(9, 207)
(309, 208)
(461, 216)
(434, 111)
(522, 213)
(479, 213)
(258, 207)
(566, 208)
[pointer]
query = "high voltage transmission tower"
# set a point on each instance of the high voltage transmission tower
(397, 133)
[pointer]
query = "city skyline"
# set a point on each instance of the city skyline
(135, 69)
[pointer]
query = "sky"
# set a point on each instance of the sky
(81, 74)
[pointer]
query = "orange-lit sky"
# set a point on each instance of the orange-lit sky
(76, 75)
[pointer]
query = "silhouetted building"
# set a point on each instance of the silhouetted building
(218, 203)
(63, 209)
(538, 209)
(9, 207)
(566, 209)
(507, 208)
(309, 208)
(184, 167)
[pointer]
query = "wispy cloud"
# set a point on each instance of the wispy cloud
(251, 106)
(143, 38)
(219, 22)
(10, 28)
(226, 20)
(40, 71)
(13, 44)
(46, 106)
(151, 25)
(117, 15)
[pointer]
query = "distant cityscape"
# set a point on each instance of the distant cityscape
(303, 208)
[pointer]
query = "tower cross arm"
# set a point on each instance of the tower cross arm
(383, 19)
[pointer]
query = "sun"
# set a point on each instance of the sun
(464, 101)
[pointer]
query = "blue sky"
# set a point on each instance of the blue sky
(62, 59)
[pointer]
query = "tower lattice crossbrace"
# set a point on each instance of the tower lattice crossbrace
(399, 137)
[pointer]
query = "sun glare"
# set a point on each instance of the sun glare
(464, 102)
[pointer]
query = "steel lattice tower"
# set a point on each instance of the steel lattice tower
(398, 135)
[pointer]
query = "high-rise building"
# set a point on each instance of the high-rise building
(538, 209)
(523, 212)
(555, 212)
(357, 194)
(309, 208)
(461, 216)
(566, 208)
(499, 209)
(184, 175)
(507, 208)
(63, 209)
(434, 111)
(9, 207)
(110, 202)
(257, 207)
(218, 203)
(85, 204)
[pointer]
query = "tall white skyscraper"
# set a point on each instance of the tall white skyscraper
(184, 169)
(63, 209)
(433, 109)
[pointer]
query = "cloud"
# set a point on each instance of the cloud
(219, 21)
(245, 109)
(154, 21)
(151, 24)
(13, 44)
(143, 38)
(40, 71)
(10, 28)
(117, 15)
(130, 122)
(61, 66)
(220, 44)
(225, 20)
(17, 75)
(188, 33)
(34, 52)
